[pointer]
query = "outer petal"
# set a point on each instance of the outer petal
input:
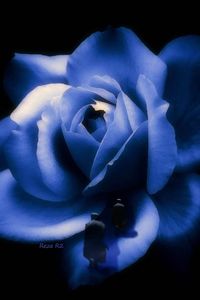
(182, 89)
(28, 112)
(20, 151)
(21, 146)
(6, 126)
(26, 218)
(182, 57)
(162, 150)
(117, 53)
(188, 140)
(55, 162)
(122, 250)
(179, 206)
(27, 71)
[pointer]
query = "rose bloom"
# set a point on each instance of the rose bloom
(111, 120)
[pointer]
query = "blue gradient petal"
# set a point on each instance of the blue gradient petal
(21, 147)
(182, 85)
(118, 132)
(182, 57)
(78, 126)
(74, 104)
(6, 126)
(78, 118)
(59, 175)
(162, 149)
(122, 250)
(104, 94)
(107, 83)
(75, 99)
(20, 151)
(25, 218)
(178, 205)
(27, 71)
(99, 133)
(97, 124)
(72, 101)
(83, 149)
(29, 111)
(117, 53)
(127, 169)
(188, 140)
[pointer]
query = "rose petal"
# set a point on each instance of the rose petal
(188, 140)
(27, 71)
(73, 106)
(96, 127)
(178, 205)
(99, 133)
(104, 94)
(6, 126)
(78, 120)
(72, 101)
(162, 150)
(183, 91)
(127, 169)
(76, 98)
(60, 175)
(25, 218)
(83, 149)
(117, 53)
(107, 83)
(32, 106)
(127, 118)
(21, 147)
(20, 151)
(182, 86)
(122, 250)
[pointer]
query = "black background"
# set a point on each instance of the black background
(59, 28)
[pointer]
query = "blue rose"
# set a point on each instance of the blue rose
(110, 120)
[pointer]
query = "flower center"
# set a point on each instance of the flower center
(96, 119)
(101, 106)
(95, 123)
